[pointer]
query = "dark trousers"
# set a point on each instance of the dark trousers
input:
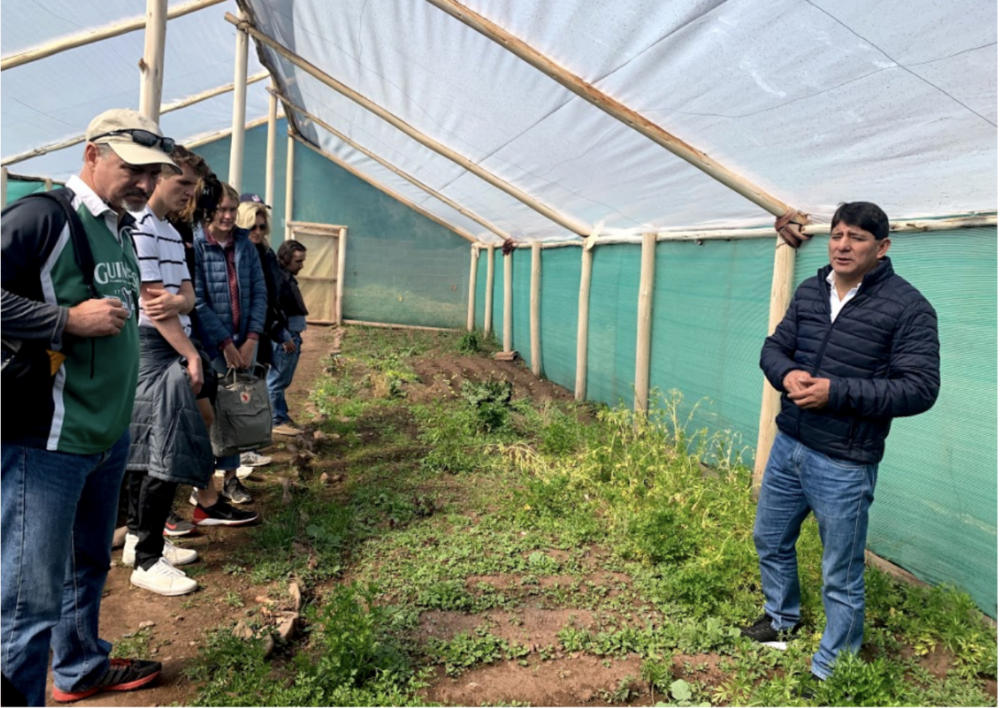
(149, 503)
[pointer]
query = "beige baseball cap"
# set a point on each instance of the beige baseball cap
(120, 120)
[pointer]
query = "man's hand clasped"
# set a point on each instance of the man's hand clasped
(99, 317)
(807, 391)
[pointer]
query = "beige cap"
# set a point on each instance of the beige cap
(131, 152)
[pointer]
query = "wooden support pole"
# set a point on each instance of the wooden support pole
(612, 107)
(405, 175)
(644, 324)
(470, 320)
(341, 271)
(289, 185)
(782, 284)
(535, 318)
(490, 273)
(151, 67)
(567, 222)
(174, 106)
(3, 187)
(395, 195)
(583, 320)
(272, 142)
(48, 184)
(508, 302)
(96, 35)
(239, 110)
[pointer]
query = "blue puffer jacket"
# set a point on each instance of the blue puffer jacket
(881, 355)
(211, 289)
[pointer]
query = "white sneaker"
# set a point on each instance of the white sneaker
(174, 555)
(242, 472)
(163, 579)
(253, 459)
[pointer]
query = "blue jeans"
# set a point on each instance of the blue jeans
(798, 480)
(279, 378)
(58, 517)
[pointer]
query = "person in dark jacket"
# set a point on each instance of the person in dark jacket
(857, 348)
(287, 344)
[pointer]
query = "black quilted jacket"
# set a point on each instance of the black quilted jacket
(881, 356)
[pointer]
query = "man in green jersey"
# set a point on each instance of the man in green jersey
(65, 436)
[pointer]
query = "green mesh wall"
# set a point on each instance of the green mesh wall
(935, 510)
(614, 299)
(17, 188)
(401, 267)
(521, 325)
(710, 307)
(559, 309)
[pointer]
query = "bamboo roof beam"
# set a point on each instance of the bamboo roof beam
(613, 107)
(175, 106)
(96, 35)
(568, 222)
(389, 166)
(382, 188)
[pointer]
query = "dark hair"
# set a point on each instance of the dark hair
(182, 156)
(287, 249)
(864, 215)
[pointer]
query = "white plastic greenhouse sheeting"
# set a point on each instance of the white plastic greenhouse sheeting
(55, 98)
(814, 101)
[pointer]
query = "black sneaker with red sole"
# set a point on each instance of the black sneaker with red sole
(222, 514)
(122, 675)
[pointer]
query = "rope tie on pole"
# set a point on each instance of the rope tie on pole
(791, 227)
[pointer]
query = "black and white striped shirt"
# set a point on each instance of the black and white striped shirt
(161, 259)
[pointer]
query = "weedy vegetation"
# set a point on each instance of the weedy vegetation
(487, 502)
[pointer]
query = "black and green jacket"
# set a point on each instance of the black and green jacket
(86, 406)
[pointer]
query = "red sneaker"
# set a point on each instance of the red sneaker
(122, 675)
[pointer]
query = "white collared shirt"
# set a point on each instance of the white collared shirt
(836, 304)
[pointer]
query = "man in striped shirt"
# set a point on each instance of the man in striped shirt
(164, 453)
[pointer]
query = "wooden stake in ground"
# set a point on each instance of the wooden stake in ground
(151, 68)
(470, 320)
(782, 283)
(508, 302)
(536, 325)
(341, 270)
(272, 146)
(583, 319)
(644, 324)
(289, 185)
(490, 272)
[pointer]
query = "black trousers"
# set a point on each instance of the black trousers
(149, 503)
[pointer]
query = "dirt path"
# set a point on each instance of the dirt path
(179, 623)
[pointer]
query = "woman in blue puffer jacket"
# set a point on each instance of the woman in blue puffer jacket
(231, 301)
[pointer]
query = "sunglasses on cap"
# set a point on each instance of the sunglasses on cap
(142, 137)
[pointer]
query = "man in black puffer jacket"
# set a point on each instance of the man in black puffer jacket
(857, 348)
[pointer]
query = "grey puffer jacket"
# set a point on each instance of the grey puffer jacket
(169, 437)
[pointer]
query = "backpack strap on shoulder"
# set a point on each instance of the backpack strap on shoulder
(82, 254)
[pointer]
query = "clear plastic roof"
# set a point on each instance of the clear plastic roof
(813, 101)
